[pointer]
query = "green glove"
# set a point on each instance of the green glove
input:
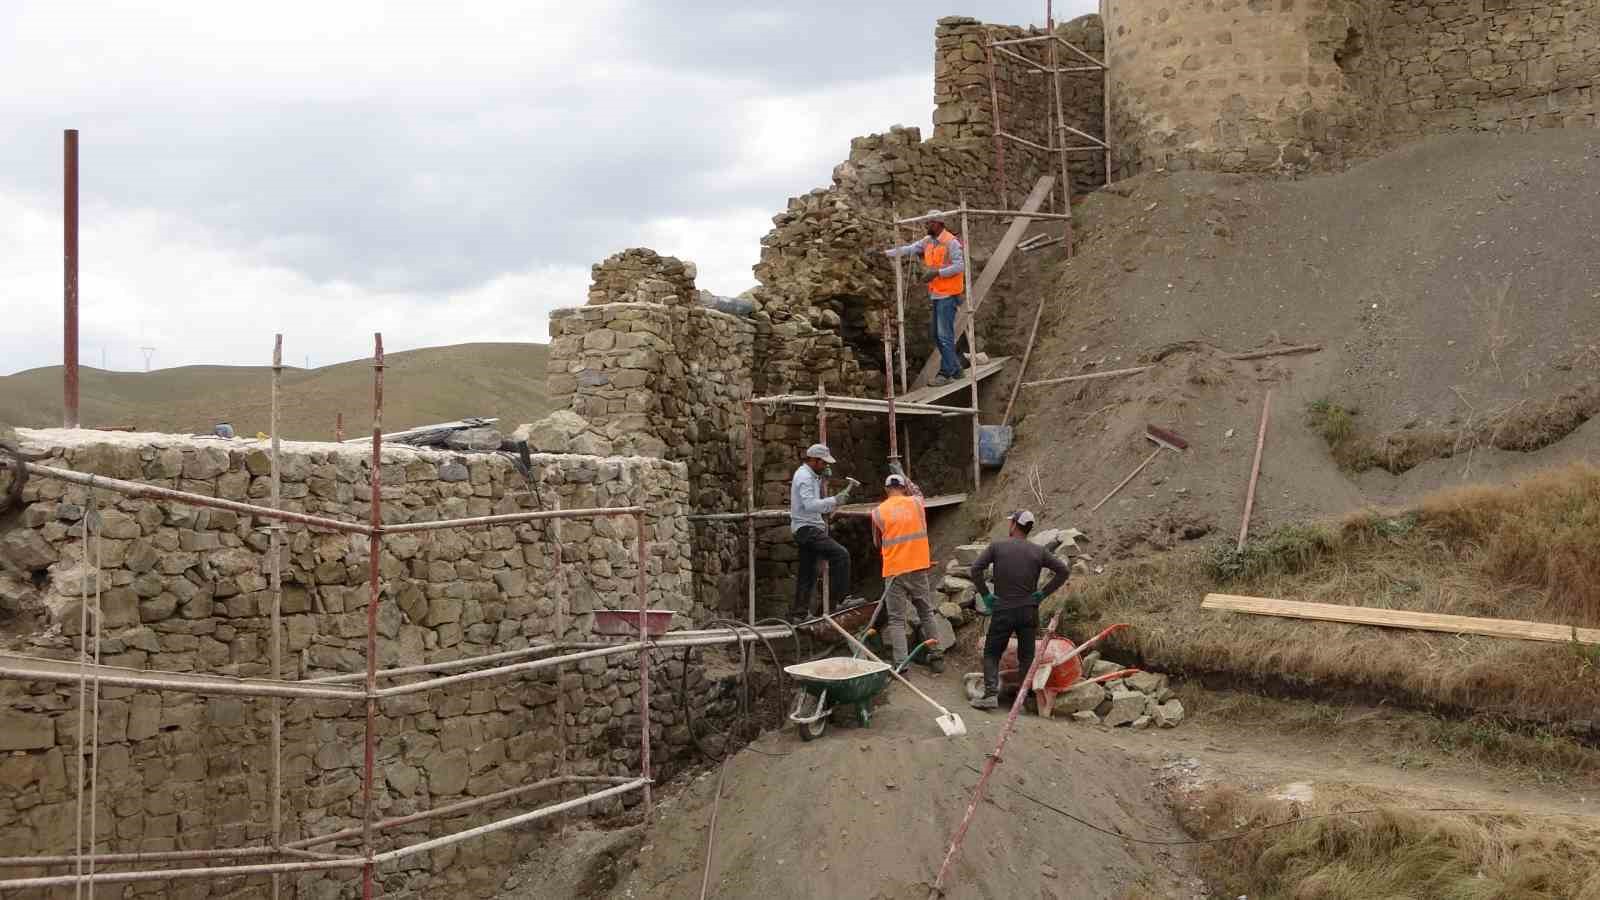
(1036, 596)
(985, 604)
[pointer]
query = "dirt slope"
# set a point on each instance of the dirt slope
(1455, 285)
(436, 384)
(868, 812)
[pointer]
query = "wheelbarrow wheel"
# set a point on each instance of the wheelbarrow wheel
(809, 731)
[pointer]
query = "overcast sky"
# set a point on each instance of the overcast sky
(439, 172)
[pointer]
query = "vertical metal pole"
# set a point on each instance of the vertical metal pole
(972, 351)
(900, 308)
(905, 442)
(83, 709)
(750, 503)
(888, 383)
(275, 529)
(374, 551)
(560, 580)
(69, 280)
(999, 142)
(1105, 90)
(94, 709)
(644, 668)
(1059, 141)
(822, 438)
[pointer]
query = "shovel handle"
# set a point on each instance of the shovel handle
(892, 670)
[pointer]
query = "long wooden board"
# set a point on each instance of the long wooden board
(1399, 618)
(991, 271)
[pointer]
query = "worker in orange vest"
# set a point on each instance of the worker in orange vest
(944, 260)
(900, 529)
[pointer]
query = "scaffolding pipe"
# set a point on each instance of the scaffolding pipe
(276, 641)
(1004, 213)
(972, 361)
(94, 692)
(501, 671)
(559, 579)
(822, 490)
(69, 278)
(530, 516)
(59, 672)
(17, 884)
(900, 309)
(151, 492)
(459, 806)
(873, 401)
(374, 553)
(83, 706)
(153, 856)
(994, 108)
(513, 821)
(1030, 65)
(639, 592)
(750, 501)
(1105, 88)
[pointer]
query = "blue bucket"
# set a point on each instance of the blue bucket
(994, 441)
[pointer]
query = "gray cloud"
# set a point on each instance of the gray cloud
(396, 151)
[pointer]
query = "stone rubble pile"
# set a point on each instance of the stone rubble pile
(1140, 700)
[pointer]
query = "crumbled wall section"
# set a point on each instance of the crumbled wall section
(1296, 86)
(639, 275)
(186, 590)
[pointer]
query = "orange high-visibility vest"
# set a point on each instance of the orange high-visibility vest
(936, 256)
(902, 526)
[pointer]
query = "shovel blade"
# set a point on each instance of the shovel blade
(951, 725)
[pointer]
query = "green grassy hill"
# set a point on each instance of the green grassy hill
(435, 384)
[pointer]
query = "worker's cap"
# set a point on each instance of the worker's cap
(895, 481)
(819, 451)
(1022, 517)
(935, 215)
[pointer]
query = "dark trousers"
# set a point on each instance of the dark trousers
(816, 547)
(1022, 622)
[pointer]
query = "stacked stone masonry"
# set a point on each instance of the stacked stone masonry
(186, 589)
(1293, 85)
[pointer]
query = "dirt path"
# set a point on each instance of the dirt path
(868, 812)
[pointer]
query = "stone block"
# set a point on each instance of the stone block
(22, 730)
(1087, 717)
(967, 554)
(1146, 682)
(1125, 707)
(1169, 714)
(1080, 697)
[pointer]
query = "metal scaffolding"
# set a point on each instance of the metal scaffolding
(90, 675)
(1059, 131)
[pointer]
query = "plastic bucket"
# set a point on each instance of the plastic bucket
(994, 441)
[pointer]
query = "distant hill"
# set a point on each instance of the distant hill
(435, 384)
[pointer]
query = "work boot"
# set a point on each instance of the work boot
(989, 700)
(939, 381)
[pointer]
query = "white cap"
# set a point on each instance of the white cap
(895, 481)
(934, 215)
(1022, 517)
(820, 451)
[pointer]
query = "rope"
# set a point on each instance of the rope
(1261, 828)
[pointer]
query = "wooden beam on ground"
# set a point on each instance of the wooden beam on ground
(1399, 618)
(991, 271)
(1117, 373)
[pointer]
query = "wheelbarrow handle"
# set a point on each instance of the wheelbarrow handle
(892, 671)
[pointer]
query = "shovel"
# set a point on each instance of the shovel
(949, 722)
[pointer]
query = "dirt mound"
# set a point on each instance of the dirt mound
(1453, 286)
(868, 812)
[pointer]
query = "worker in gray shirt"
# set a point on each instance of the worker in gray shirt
(1014, 605)
(807, 507)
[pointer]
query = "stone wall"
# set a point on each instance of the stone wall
(186, 590)
(1260, 86)
(1489, 65)
(668, 382)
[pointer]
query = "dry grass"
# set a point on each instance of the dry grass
(1408, 740)
(1393, 853)
(1511, 552)
(1524, 426)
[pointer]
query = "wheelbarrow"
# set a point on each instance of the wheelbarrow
(824, 685)
(1059, 669)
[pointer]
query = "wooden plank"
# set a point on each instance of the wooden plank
(991, 272)
(930, 394)
(865, 509)
(1400, 618)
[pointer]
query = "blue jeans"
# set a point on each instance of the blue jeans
(944, 334)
